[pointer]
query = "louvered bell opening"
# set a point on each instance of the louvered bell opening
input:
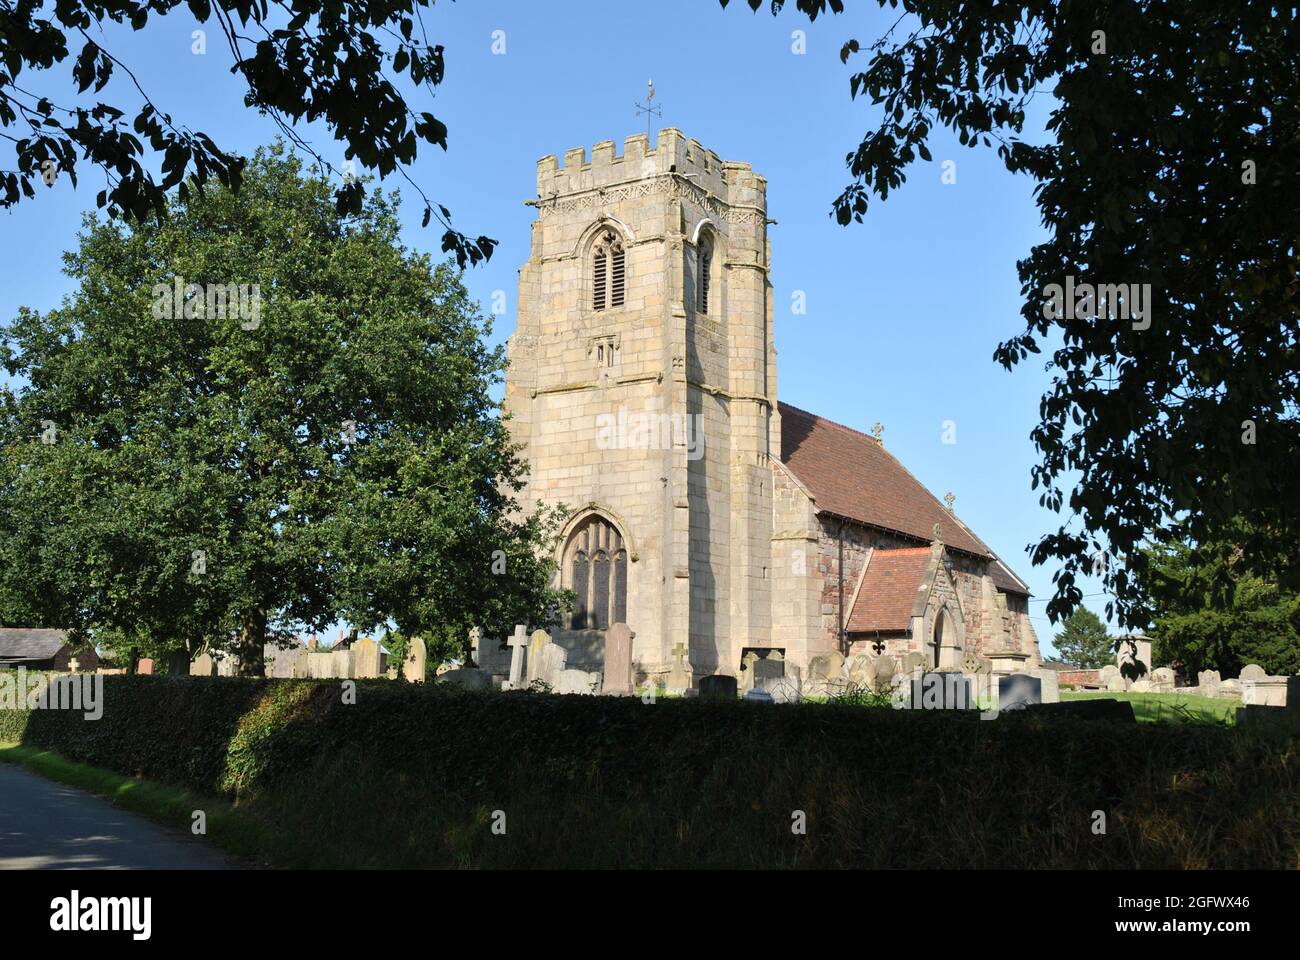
(704, 281)
(598, 281)
(616, 281)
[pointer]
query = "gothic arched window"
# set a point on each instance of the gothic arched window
(608, 273)
(596, 559)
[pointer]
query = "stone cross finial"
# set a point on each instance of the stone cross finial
(938, 531)
(877, 429)
(949, 499)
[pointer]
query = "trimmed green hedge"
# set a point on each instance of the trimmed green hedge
(413, 776)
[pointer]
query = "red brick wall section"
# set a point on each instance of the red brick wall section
(1080, 678)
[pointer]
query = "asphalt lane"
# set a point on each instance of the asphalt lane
(49, 826)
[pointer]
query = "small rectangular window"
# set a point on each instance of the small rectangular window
(598, 284)
(705, 259)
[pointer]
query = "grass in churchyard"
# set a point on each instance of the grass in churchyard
(1168, 707)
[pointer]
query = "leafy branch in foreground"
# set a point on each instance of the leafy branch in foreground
(301, 60)
(1168, 174)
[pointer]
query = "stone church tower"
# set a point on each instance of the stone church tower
(642, 383)
(733, 534)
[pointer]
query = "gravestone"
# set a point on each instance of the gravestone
(1207, 682)
(475, 645)
(1230, 688)
(577, 682)
(941, 691)
(415, 661)
(1162, 680)
(1051, 685)
(860, 671)
(757, 695)
(1252, 671)
(467, 678)
(768, 668)
(1112, 679)
(554, 659)
(518, 640)
(783, 689)
(718, 686)
(178, 663)
(536, 642)
(913, 661)
(884, 670)
(679, 677)
(320, 665)
(144, 667)
(826, 666)
(618, 660)
(343, 665)
(368, 659)
(1125, 655)
(1019, 690)
(203, 666)
(1269, 692)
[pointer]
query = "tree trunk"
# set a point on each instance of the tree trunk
(252, 638)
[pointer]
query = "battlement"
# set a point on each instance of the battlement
(673, 153)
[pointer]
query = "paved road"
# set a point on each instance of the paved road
(48, 826)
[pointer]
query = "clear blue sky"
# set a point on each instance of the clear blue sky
(903, 311)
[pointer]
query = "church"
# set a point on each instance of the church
(726, 528)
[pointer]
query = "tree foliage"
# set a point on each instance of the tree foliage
(1202, 626)
(302, 60)
(1172, 146)
(179, 473)
(1084, 642)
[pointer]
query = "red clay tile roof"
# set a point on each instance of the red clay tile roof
(853, 476)
(888, 591)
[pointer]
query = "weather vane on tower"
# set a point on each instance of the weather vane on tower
(649, 108)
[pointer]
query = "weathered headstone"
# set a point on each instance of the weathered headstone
(554, 659)
(860, 671)
(577, 682)
(343, 665)
(144, 667)
(1162, 680)
(719, 686)
(518, 640)
(320, 665)
(415, 662)
(203, 666)
(913, 661)
(826, 666)
(536, 642)
(618, 659)
(1112, 679)
(1252, 671)
(1269, 692)
(1018, 690)
(368, 659)
(475, 644)
(1207, 682)
(1051, 685)
(1230, 688)
(757, 695)
(783, 689)
(679, 677)
(468, 678)
(884, 670)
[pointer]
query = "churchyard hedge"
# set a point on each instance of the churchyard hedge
(419, 775)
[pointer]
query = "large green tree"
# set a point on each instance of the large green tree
(1202, 626)
(1084, 642)
(1169, 159)
(339, 63)
(179, 471)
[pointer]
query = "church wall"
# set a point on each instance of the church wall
(795, 575)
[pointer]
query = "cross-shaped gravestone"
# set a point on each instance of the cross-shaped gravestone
(518, 640)
(74, 665)
(679, 679)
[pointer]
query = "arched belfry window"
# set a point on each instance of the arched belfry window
(596, 562)
(608, 273)
(703, 265)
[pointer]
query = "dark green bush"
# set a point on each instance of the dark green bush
(411, 776)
